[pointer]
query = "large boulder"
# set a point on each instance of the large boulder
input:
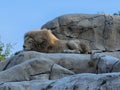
(30, 70)
(101, 31)
(74, 82)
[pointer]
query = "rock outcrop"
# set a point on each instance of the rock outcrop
(101, 31)
(31, 70)
(74, 82)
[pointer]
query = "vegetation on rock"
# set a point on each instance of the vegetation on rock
(5, 50)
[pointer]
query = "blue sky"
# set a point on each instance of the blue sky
(20, 16)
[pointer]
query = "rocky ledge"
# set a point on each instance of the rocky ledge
(30, 70)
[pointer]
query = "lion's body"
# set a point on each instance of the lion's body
(45, 41)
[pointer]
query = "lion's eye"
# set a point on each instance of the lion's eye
(43, 44)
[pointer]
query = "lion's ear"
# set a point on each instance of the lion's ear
(45, 29)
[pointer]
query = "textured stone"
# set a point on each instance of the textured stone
(106, 64)
(73, 62)
(101, 31)
(30, 70)
(109, 81)
(34, 68)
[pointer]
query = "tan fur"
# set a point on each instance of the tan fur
(44, 41)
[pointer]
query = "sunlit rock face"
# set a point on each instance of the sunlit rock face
(102, 31)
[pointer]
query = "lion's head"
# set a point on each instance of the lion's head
(39, 40)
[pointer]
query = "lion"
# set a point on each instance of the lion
(44, 41)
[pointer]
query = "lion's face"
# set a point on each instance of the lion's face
(35, 41)
(28, 43)
(39, 40)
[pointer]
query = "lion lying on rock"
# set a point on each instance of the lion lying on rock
(44, 41)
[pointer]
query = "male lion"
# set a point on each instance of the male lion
(44, 41)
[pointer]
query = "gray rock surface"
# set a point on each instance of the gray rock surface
(101, 31)
(30, 70)
(106, 64)
(74, 82)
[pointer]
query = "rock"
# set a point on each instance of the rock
(101, 31)
(109, 81)
(106, 64)
(34, 68)
(30, 70)
(114, 54)
(73, 62)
